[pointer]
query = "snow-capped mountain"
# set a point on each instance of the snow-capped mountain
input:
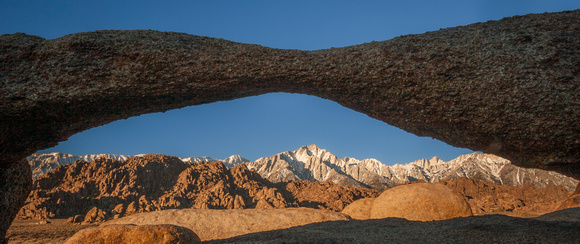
(230, 161)
(313, 163)
(43, 163)
(316, 164)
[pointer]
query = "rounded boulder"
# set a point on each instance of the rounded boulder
(126, 233)
(420, 202)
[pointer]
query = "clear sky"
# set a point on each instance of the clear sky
(264, 125)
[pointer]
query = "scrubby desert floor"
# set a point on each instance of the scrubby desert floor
(477, 229)
(30, 231)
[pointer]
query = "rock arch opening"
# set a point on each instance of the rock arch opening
(507, 87)
(256, 127)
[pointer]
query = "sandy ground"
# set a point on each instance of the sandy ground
(30, 231)
(517, 228)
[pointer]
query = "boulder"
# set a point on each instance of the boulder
(218, 224)
(134, 234)
(95, 215)
(359, 209)
(77, 219)
(421, 202)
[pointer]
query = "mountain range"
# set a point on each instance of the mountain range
(316, 164)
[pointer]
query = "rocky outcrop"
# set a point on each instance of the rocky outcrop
(137, 234)
(573, 201)
(505, 87)
(420, 202)
(104, 189)
(219, 224)
(486, 197)
(325, 195)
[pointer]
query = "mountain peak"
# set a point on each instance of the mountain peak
(312, 147)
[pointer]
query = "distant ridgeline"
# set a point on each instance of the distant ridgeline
(315, 164)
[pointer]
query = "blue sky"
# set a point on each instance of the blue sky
(272, 123)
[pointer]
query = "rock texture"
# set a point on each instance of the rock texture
(137, 234)
(219, 224)
(105, 189)
(359, 209)
(420, 202)
(485, 197)
(573, 201)
(476, 229)
(506, 87)
(568, 215)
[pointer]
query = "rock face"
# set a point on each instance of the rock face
(421, 202)
(104, 189)
(359, 209)
(573, 201)
(167, 234)
(313, 163)
(219, 224)
(487, 197)
(506, 87)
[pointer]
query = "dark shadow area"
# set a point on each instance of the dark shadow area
(477, 229)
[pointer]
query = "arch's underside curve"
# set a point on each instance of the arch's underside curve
(508, 87)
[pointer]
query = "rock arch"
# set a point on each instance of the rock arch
(508, 87)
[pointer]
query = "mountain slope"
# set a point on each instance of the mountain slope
(155, 182)
(43, 163)
(312, 163)
(315, 164)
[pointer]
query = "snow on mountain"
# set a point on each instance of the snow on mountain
(316, 164)
(313, 163)
(230, 161)
(43, 163)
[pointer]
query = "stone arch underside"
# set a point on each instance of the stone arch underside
(508, 87)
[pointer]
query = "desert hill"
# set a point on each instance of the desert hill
(106, 188)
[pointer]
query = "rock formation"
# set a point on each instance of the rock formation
(421, 202)
(506, 87)
(219, 224)
(359, 209)
(573, 201)
(137, 234)
(104, 189)
(476, 229)
(485, 197)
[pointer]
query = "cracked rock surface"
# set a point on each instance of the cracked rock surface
(508, 87)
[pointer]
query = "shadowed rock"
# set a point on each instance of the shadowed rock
(506, 87)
